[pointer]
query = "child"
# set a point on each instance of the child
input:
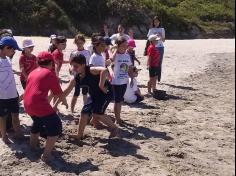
(27, 61)
(121, 33)
(133, 93)
(80, 42)
(58, 56)
(131, 51)
(99, 46)
(131, 33)
(39, 83)
(52, 46)
(153, 62)
(106, 54)
(100, 94)
(8, 93)
(120, 78)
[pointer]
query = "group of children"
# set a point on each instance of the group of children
(105, 72)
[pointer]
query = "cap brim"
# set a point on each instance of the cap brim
(28, 46)
(19, 49)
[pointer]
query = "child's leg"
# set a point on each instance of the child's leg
(107, 121)
(50, 143)
(119, 98)
(85, 98)
(3, 130)
(16, 125)
(154, 83)
(34, 140)
(149, 86)
(117, 110)
(73, 103)
(82, 124)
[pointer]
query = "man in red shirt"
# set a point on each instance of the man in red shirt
(39, 83)
(153, 63)
(58, 56)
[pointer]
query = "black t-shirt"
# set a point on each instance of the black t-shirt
(92, 82)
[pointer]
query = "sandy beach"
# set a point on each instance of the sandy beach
(191, 134)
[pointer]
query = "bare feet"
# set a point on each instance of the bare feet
(114, 133)
(47, 158)
(119, 122)
(76, 137)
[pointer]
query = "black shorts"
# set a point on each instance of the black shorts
(9, 106)
(119, 92)
(23, 83)
(77, 90)
(98, 105)
(153, 71)
(50, 126)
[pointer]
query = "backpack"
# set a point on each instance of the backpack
(160, 95)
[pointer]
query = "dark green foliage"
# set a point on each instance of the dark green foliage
(43, 17)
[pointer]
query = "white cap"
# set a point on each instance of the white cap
(154, 38)
(27, 43)
(53, 36)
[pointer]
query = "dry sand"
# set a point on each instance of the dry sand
(191, 134)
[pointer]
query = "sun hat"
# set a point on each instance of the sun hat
(10, 41)
(27, 43)
(152, 38)
(131, 43)
(53, 36)
(44, 56)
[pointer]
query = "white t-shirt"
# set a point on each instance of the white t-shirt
(122, 63)
(114, 37)
(157, 31)
(130, 96)
(7, 80)
(85, 53)
(97, 60)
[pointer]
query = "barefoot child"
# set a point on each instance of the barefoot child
(120, 78)
(100, 94)
(58, 56)
(80, 42)
(27, 61)
(39, 83)
(131, 51)
(8, 93)
(153, 63)
(133, 93)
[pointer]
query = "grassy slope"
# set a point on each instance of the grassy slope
(35, 17)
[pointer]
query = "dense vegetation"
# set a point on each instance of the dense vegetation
(181, 18)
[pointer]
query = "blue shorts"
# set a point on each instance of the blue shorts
(9, 106)
(49, 126)
(119, 92)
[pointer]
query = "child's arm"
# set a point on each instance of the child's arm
(57, 68)
(136, 59)
(22, 69)
(62, 97)
(113, 56)
(104, 73)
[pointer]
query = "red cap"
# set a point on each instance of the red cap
(43, 56)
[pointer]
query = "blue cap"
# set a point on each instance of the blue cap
(107, 40)
(10, 41)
